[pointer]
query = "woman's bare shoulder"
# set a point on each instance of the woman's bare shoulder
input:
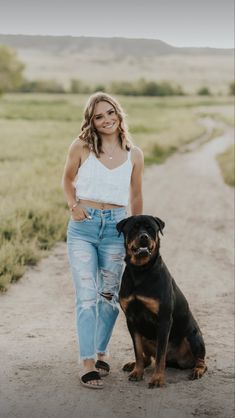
(78, 147)
(137, 154)
(78, 144)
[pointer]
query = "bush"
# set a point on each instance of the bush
(11, 70)
(78, 87)
(41, 86)
(99, 87)
(124, 87)
(204, 91)
(145, 88)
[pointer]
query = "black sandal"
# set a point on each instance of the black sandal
(103, 367)
(88, 377)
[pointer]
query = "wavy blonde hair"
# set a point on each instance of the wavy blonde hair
(88, 132)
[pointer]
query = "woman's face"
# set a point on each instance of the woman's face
(105, 119)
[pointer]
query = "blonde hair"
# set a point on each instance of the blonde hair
(88, 132)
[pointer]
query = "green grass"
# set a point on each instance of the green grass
(226, 163)
(36, 131)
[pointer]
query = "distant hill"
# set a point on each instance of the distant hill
(120, 47)
(100, 60)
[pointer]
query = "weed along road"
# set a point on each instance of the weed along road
(38, 355)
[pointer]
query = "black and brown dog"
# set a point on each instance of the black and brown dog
(157, 313)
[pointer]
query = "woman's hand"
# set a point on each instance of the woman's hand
(78, 213)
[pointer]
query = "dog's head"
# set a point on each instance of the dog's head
(141, 238)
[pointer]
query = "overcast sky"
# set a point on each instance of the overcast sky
(177, 22)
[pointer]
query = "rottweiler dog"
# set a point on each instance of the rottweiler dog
(158, 317)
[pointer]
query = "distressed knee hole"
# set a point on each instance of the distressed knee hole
(107, 295)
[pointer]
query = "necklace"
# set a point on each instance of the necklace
(110, 153)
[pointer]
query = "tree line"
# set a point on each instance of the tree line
(12, 80)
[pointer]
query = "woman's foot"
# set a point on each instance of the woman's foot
(102, 366)
(91, 378)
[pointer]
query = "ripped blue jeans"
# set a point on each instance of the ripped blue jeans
(96, 256)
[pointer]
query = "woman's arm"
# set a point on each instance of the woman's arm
(70, 170)
(136, 198)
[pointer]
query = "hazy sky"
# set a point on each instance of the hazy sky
(177, 22)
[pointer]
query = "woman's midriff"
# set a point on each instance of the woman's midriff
(98, 205)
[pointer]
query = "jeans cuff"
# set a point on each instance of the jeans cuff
(93, 357)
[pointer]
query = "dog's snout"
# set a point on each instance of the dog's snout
(144, 238)
(144, 235)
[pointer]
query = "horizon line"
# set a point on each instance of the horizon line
(113, 37)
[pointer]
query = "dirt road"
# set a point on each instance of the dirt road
(38, 355)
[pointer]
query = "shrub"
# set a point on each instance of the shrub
(204, 91)
(11, 70)
(145, 88)
(124, 87)
(42, 86)
(99, 87)
(78, 87)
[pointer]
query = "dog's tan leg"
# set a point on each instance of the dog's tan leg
(138, 371)
(158, 377)
(199, 369)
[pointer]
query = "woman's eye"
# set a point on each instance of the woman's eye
(98, 117)
(111, 111)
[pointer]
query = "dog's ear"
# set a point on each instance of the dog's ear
(159, 223)
(121, 225)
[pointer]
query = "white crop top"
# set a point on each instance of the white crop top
(98, 183)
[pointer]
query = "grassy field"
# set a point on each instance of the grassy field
(36, 131)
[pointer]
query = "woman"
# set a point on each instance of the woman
(102, 169)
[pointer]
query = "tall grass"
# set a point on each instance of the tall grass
(36, 131)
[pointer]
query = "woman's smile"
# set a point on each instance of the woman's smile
(109, 126)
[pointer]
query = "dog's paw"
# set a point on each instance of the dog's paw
(157, 381)
(128, 367)
(198, 372)
(135, 376)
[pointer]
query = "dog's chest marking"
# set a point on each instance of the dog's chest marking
(124, 302)
(151, 304)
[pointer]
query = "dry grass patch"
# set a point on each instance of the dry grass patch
(226, 163)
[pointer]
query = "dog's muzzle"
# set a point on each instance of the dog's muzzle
(142, 246)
